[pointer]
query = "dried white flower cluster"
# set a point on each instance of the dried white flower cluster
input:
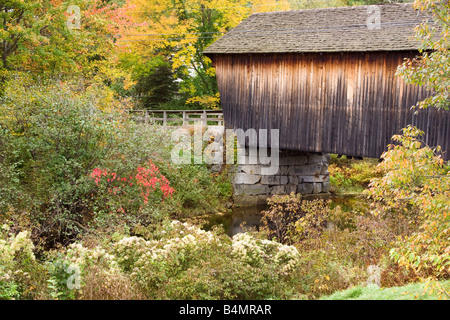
(14, 244)
(181, 242)
(149, 262)
(79, 257)
(10, 245)
(256, 251)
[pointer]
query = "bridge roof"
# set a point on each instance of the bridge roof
(344, 29)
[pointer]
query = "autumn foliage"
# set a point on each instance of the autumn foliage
(146, 186)
(416, 185)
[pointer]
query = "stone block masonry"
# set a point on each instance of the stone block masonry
(299, 172)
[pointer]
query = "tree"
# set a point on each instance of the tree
(22, 23)
(432, 67)
(416, 180)
(35, 37)
(180, 30)
(416, 186)
(155, 83)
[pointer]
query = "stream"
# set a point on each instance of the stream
(251, 216)
(232, 222)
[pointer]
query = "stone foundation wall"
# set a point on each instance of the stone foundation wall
(299, 172)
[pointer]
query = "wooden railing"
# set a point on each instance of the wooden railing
(179, 117)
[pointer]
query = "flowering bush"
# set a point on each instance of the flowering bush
(164, 260)
(81, 257)
(20, 273)
(256, 252)
(11, 248)
(92, 273)
(186, 262)
(129, 250)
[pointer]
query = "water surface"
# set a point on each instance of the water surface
(251, 216)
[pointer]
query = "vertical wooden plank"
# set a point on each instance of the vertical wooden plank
(346, 102)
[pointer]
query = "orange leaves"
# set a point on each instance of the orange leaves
(146, 183)
(117, 18)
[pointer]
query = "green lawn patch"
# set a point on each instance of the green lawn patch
(416, 291)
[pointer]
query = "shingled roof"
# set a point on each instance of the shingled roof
(323, 30)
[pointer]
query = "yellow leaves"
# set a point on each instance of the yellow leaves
(164, 20)
(211, 72)
(208, 102)
(265, 6)
(128, 82)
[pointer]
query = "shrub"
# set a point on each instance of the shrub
(189, 263)
(100, 285)
(133, 195)
(416, 185)
(21, 276)
(55, 136)
(196, 191)
(98, 274)
(182, 261)
(324, 263)
(336, 246)
(278, 221)
(352, 175)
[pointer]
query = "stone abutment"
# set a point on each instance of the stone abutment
(298, 172)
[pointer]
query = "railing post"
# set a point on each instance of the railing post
(205, 122)
(164, 118)
(184, 118)
(146, 116)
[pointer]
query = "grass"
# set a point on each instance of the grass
(348, 176)
(416, 291)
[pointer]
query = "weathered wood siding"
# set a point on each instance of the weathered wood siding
(344, 103)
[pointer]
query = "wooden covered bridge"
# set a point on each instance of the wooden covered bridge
(326, 78)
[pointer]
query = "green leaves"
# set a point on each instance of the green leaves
(35, 38)
(432, 67)
(416, 184)
(54, 138)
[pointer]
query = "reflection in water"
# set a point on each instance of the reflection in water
(231, 222)
(251, 216)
